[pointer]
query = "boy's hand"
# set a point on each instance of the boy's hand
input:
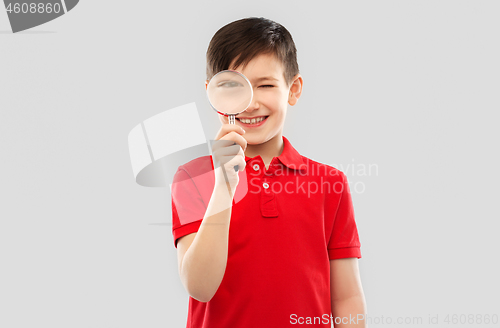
(227, 152)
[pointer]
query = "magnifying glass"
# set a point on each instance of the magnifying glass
(229, 93)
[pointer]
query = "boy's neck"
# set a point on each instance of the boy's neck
(267, 150)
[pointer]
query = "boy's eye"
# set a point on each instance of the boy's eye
(229, 84)
(267, 86)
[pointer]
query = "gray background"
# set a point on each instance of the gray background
(408, 86)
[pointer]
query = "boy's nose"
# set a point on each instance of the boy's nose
(253, 105)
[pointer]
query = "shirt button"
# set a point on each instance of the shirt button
(265, 185)
(256, 167)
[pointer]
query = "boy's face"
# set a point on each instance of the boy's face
(271, 96)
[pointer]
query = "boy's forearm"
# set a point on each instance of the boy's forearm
(350, 312)
(204, 263)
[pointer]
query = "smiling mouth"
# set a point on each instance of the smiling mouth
(260, 119)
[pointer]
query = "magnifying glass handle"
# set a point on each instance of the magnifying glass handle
(231, 121)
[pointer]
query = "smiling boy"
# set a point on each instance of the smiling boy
(287, 252)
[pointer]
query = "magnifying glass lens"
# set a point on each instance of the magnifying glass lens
(229, 92)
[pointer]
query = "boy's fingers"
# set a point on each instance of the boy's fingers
(229, 139)
(235, 137)
(227, 128)
(222, 143)
(232, 150)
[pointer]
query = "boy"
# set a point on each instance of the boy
(285, 253)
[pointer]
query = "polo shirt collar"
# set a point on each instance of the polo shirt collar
(289, 157)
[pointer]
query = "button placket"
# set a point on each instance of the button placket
(268, 199)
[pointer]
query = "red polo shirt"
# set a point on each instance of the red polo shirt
(287, 223)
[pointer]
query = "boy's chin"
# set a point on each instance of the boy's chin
(253, 140)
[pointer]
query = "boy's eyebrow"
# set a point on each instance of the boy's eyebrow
(265, 78)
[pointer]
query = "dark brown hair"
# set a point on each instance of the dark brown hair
(247, 38)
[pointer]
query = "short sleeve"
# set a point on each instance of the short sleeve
(188, 207)
(344, 240)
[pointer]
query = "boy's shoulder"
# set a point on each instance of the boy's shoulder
(200, 172)
(198, 166)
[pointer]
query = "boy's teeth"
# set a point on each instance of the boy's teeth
(252, 121)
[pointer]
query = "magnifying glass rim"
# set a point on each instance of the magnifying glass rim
(243, 76)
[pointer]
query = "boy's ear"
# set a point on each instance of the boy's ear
(206, 84)
(295, 90)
